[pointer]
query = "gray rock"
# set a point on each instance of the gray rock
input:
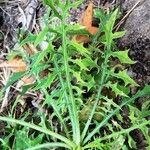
(138, 22)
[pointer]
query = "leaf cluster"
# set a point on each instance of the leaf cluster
(81, 85)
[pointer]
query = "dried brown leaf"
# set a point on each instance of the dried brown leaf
(16, 64)
(87, 22)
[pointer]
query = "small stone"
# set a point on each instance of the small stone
(138, 22)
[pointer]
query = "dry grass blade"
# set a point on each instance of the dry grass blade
(4, 79)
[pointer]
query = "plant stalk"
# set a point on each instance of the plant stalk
(71, 103)
(38, 128)
(126, 101)
(56, 111)
(49, 145)
(97, 99)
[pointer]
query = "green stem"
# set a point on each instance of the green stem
(38, 128)
(50, 3)
(126, 130)
(65, 93)
(104, 67)
(123, 131)
(49, 145)
(71, 103)
(56, 110)
(108, 117)
(107, 50)
(61, 119)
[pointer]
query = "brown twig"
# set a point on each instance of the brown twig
(116, 28)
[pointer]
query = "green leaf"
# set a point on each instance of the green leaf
(77, 75)
(90, 83)
(16, 76)
(78, 90)
(110, 23)
(103, 18)
(117, 35)
(79, 47)
(29, 39)
(107, 23)
(84, 63)
(76, 29)
(4, 142)
(50, 3)
(145, 91)
(40, 37)
(38, 57)
(89, 62)
(45, 83)
(25, 88)
(38, 68)
(124, 89)
(23, 141)
(37, 140)
(123, 57)
(108, 104)
(59, 94)
(108, 28)
(115, 89)
(131, 142)
(76, 3)
(94, 145)
(146, 104)
(125, 77)
(80, 64)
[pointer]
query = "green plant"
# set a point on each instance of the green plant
(71, 66)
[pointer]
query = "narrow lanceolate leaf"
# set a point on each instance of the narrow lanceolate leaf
(51, 4)
(117, 35)
(16, 76)
(76, 4)
(46, 82)
(29, 39)
(125, 77)
(40, 37)
(115, 89)
(110, 23)
(145, 91)
(80, 48)
(77, 75)
(38, 57)
(123, 57)
(85, 63)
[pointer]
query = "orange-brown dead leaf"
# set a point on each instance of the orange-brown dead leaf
(87, 16)
(87, 22)
(28, 80)
(30, 49)
(16, 64)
